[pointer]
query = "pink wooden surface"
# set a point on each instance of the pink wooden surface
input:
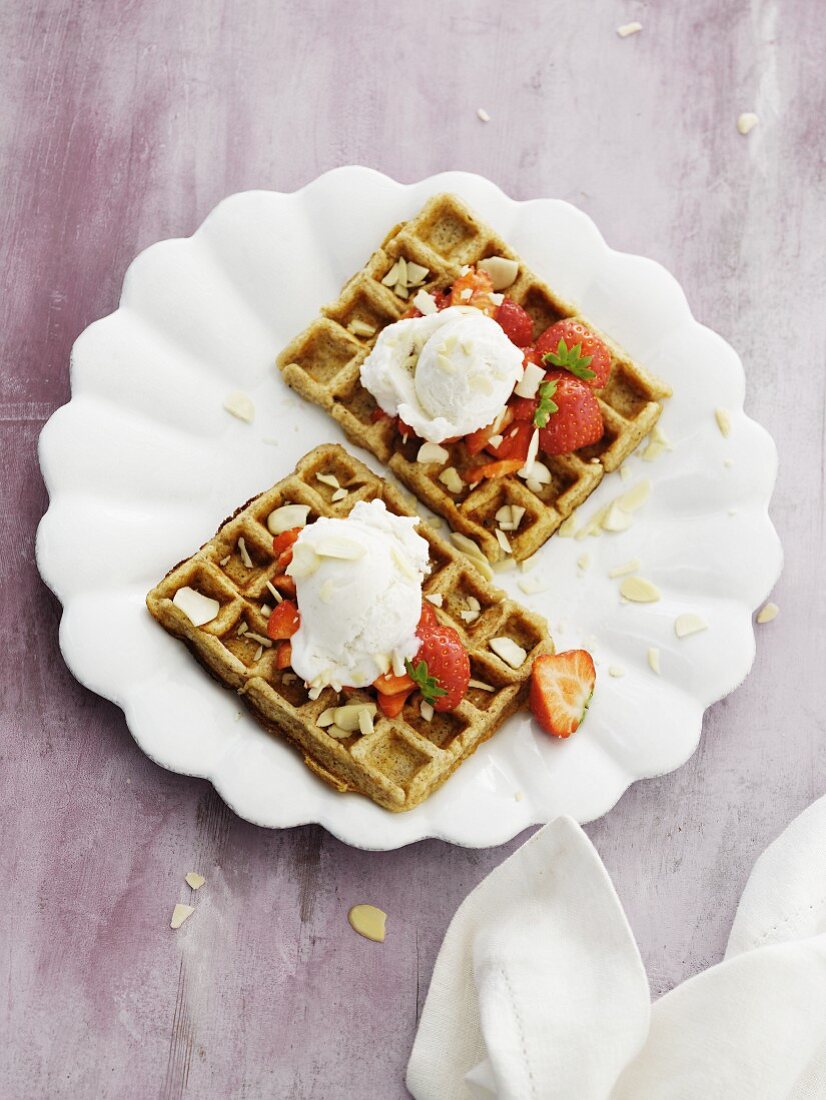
(123, 123)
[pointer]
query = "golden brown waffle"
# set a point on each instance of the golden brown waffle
(324, 361)
(404, 759)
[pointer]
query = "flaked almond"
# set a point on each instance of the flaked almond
(383, 662)
(530, 380)
(502, 539)
(305, 561)
(654, 659)
(327, 591)
(436, 598)
(432, 452)
(251, 636)
(480, 685)
(723, 422)
(276, 595)
(567, 529)
(193, 879)
(326, 718)
(767, 613)
(392, 276)
(347, 717)
(583, 561)
(426, 711)
(466, 294)
(451, 480)
(628, 29)
(338, 495)
(416, 273)
(240, 406)
(616, 671)
(539, 476)
(624, 473)
(527, 471)
(287, 517)
(689, 623)
(398, 663)
(181, 913)
(636, 497)
(244, 554)
(199, 609)
(639, 590)
(338, 546)
(616, 518)
(328, 479)
(502, 271)
(482, 114)
(361, 328)
(425, 303)
(624, 569)
(368, 921)
(466, 545)
(481, 383)
(531, 586)
(746, 122)
(509, 651)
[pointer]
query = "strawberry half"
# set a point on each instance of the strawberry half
(445, 659)
(561, 688)
(572, 346)
(570, 412)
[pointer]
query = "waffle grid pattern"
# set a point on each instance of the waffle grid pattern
(404, 759)
(323, 364)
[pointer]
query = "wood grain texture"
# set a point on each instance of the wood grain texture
(123, 122)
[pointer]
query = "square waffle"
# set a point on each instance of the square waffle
(406, 758)
(324, 361)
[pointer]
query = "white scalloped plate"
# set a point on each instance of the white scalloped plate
(143, 463)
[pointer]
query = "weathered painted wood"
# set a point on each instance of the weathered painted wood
(122, 123)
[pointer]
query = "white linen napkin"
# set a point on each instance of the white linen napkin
(539, 992)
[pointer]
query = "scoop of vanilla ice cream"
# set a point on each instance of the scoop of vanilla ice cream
(359, 592)
(445, 374)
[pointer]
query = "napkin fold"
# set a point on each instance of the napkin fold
(539, 992)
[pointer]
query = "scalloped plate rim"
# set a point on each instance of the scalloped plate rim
(49, 569)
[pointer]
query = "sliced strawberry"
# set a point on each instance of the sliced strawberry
(284, 584)
(391, 706)
(561, 688)
(378, 414)
(283, 655)
(390, 684)
(443, 659)
(492, 469)
(581, 352)
(515, 322)
(478, 440)
(515, 442)
(284, 621)
(481, 287)
(574, 419)
(285, 540)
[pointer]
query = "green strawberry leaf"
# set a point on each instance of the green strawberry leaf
(546, 405)
(570, 359)
(428, 685)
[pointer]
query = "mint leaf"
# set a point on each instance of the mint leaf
(428, 685)
(570, 359)
(546, 405)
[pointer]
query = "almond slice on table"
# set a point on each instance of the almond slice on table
(368, 921)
